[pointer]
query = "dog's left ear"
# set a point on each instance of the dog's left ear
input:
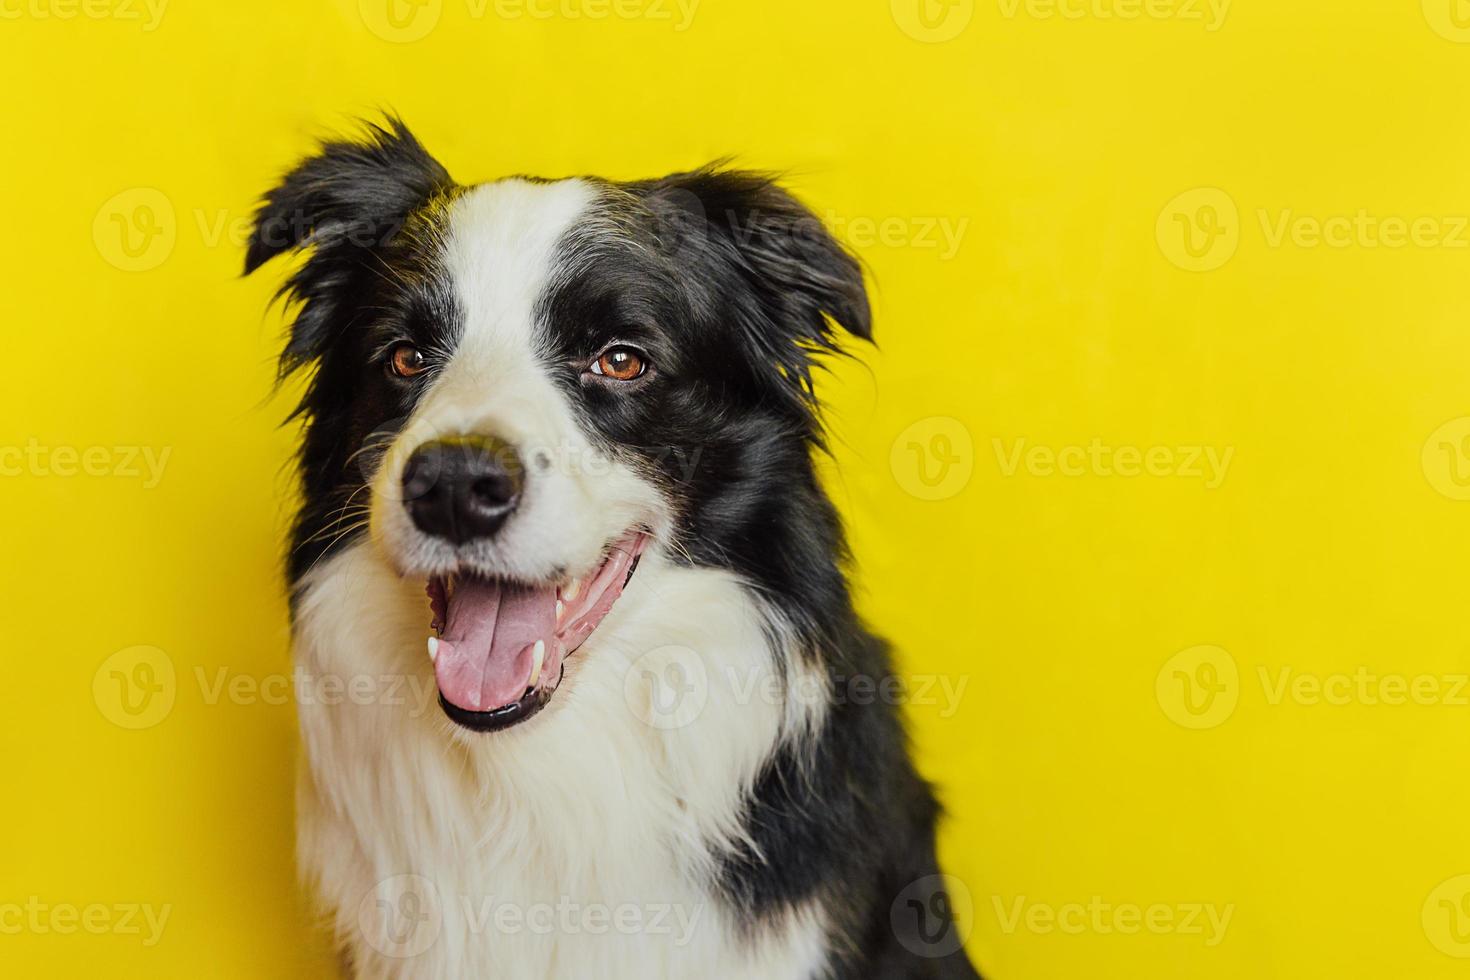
(804, 280)
(344, 204)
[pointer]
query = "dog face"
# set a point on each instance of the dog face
(518, 387)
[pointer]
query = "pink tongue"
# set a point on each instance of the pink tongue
(486, 654)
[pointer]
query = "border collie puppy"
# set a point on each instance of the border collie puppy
(563, 430)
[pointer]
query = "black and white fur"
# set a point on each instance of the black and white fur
(784, 821)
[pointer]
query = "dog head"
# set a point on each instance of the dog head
(518, 387)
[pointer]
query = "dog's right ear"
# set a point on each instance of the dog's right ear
(344, 203)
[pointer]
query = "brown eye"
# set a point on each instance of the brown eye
(405, 360)
(620, 364)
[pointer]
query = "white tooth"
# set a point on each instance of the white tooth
(538, 657)
(571, 591)
(561, 610)
(433, 648)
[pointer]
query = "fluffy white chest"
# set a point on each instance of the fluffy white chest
(580, 844)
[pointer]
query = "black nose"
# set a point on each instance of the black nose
(462, 488)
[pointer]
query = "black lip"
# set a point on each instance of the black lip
(501, 718)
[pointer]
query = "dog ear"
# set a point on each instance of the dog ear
(804, 280)
(344, 203)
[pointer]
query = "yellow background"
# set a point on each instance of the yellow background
(1070, 153)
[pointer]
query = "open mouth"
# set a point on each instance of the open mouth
(500, 647)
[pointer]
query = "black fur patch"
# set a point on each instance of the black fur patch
(370, 213)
